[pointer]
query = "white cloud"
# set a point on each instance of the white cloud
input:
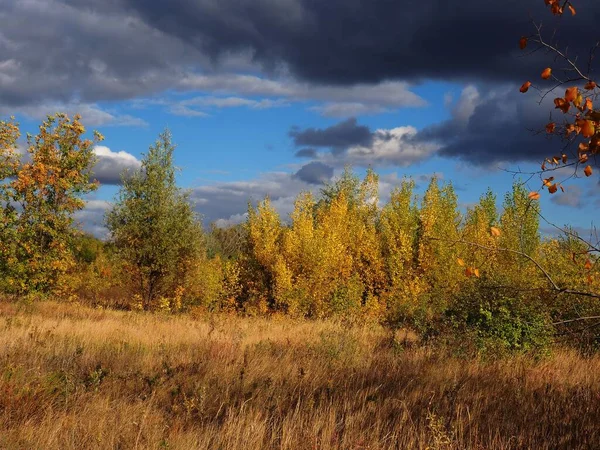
(110, 165)
(339, 101)
(91, 114)
(395, 146)
(91, 217)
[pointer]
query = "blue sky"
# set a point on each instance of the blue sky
(246, 86)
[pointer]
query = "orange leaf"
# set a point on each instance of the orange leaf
(546, 73)
(588, 264)
(556, 9)
(525, 87)
(583, 147)
(583, 158)
(588, 129)
(590, 85)
(550, 128)
(495, 231)
(468, 272)
(588, 171)
(548, 181)
(565, 158)
(562, 104)
(523, 43)
(534, 195)
(460, 262)
(588, 104)
(571, 93)
(552, 189)
(476, 272)
(572, 9)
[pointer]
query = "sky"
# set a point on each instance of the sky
(276, 97)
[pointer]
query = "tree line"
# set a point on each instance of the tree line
(416, 261)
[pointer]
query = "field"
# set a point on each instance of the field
(78, 378)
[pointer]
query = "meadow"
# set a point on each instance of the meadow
(74, 377)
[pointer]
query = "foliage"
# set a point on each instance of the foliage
(38, 197)
(580, 125)
(154, 228)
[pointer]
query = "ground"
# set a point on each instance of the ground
(72, 377)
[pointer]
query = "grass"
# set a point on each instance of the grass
(78, 378)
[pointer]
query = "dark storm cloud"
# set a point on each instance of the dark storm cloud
(349, 41)
(338, 136)
(495, 127)
(315, 173)
(90, 51)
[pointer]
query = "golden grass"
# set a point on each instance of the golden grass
(77, 378)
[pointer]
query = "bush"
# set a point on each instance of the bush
(493, 322)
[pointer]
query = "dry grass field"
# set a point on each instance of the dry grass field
(78, 378)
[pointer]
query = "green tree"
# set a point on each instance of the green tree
(154, 227)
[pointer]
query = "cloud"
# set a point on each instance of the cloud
(573, 197)
(91, 115)
(189, 107)
(348, 109)
(222, 200)
(490, 125)
(315, 173)
(306, 153)
(357, 145)
(88, 51)
(111, 165)
(337, 137)
(91, 218)
(258, 92)
(340, 42)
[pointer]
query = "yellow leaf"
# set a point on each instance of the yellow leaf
(476, 272)
(460, 262)
(495, 231)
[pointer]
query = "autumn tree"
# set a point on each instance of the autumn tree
(154, 227)
(579, 126)
(578, 123)
(399, 225)
(39, 196)
(437, 234)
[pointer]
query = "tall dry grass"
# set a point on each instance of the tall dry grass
(78, 378)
